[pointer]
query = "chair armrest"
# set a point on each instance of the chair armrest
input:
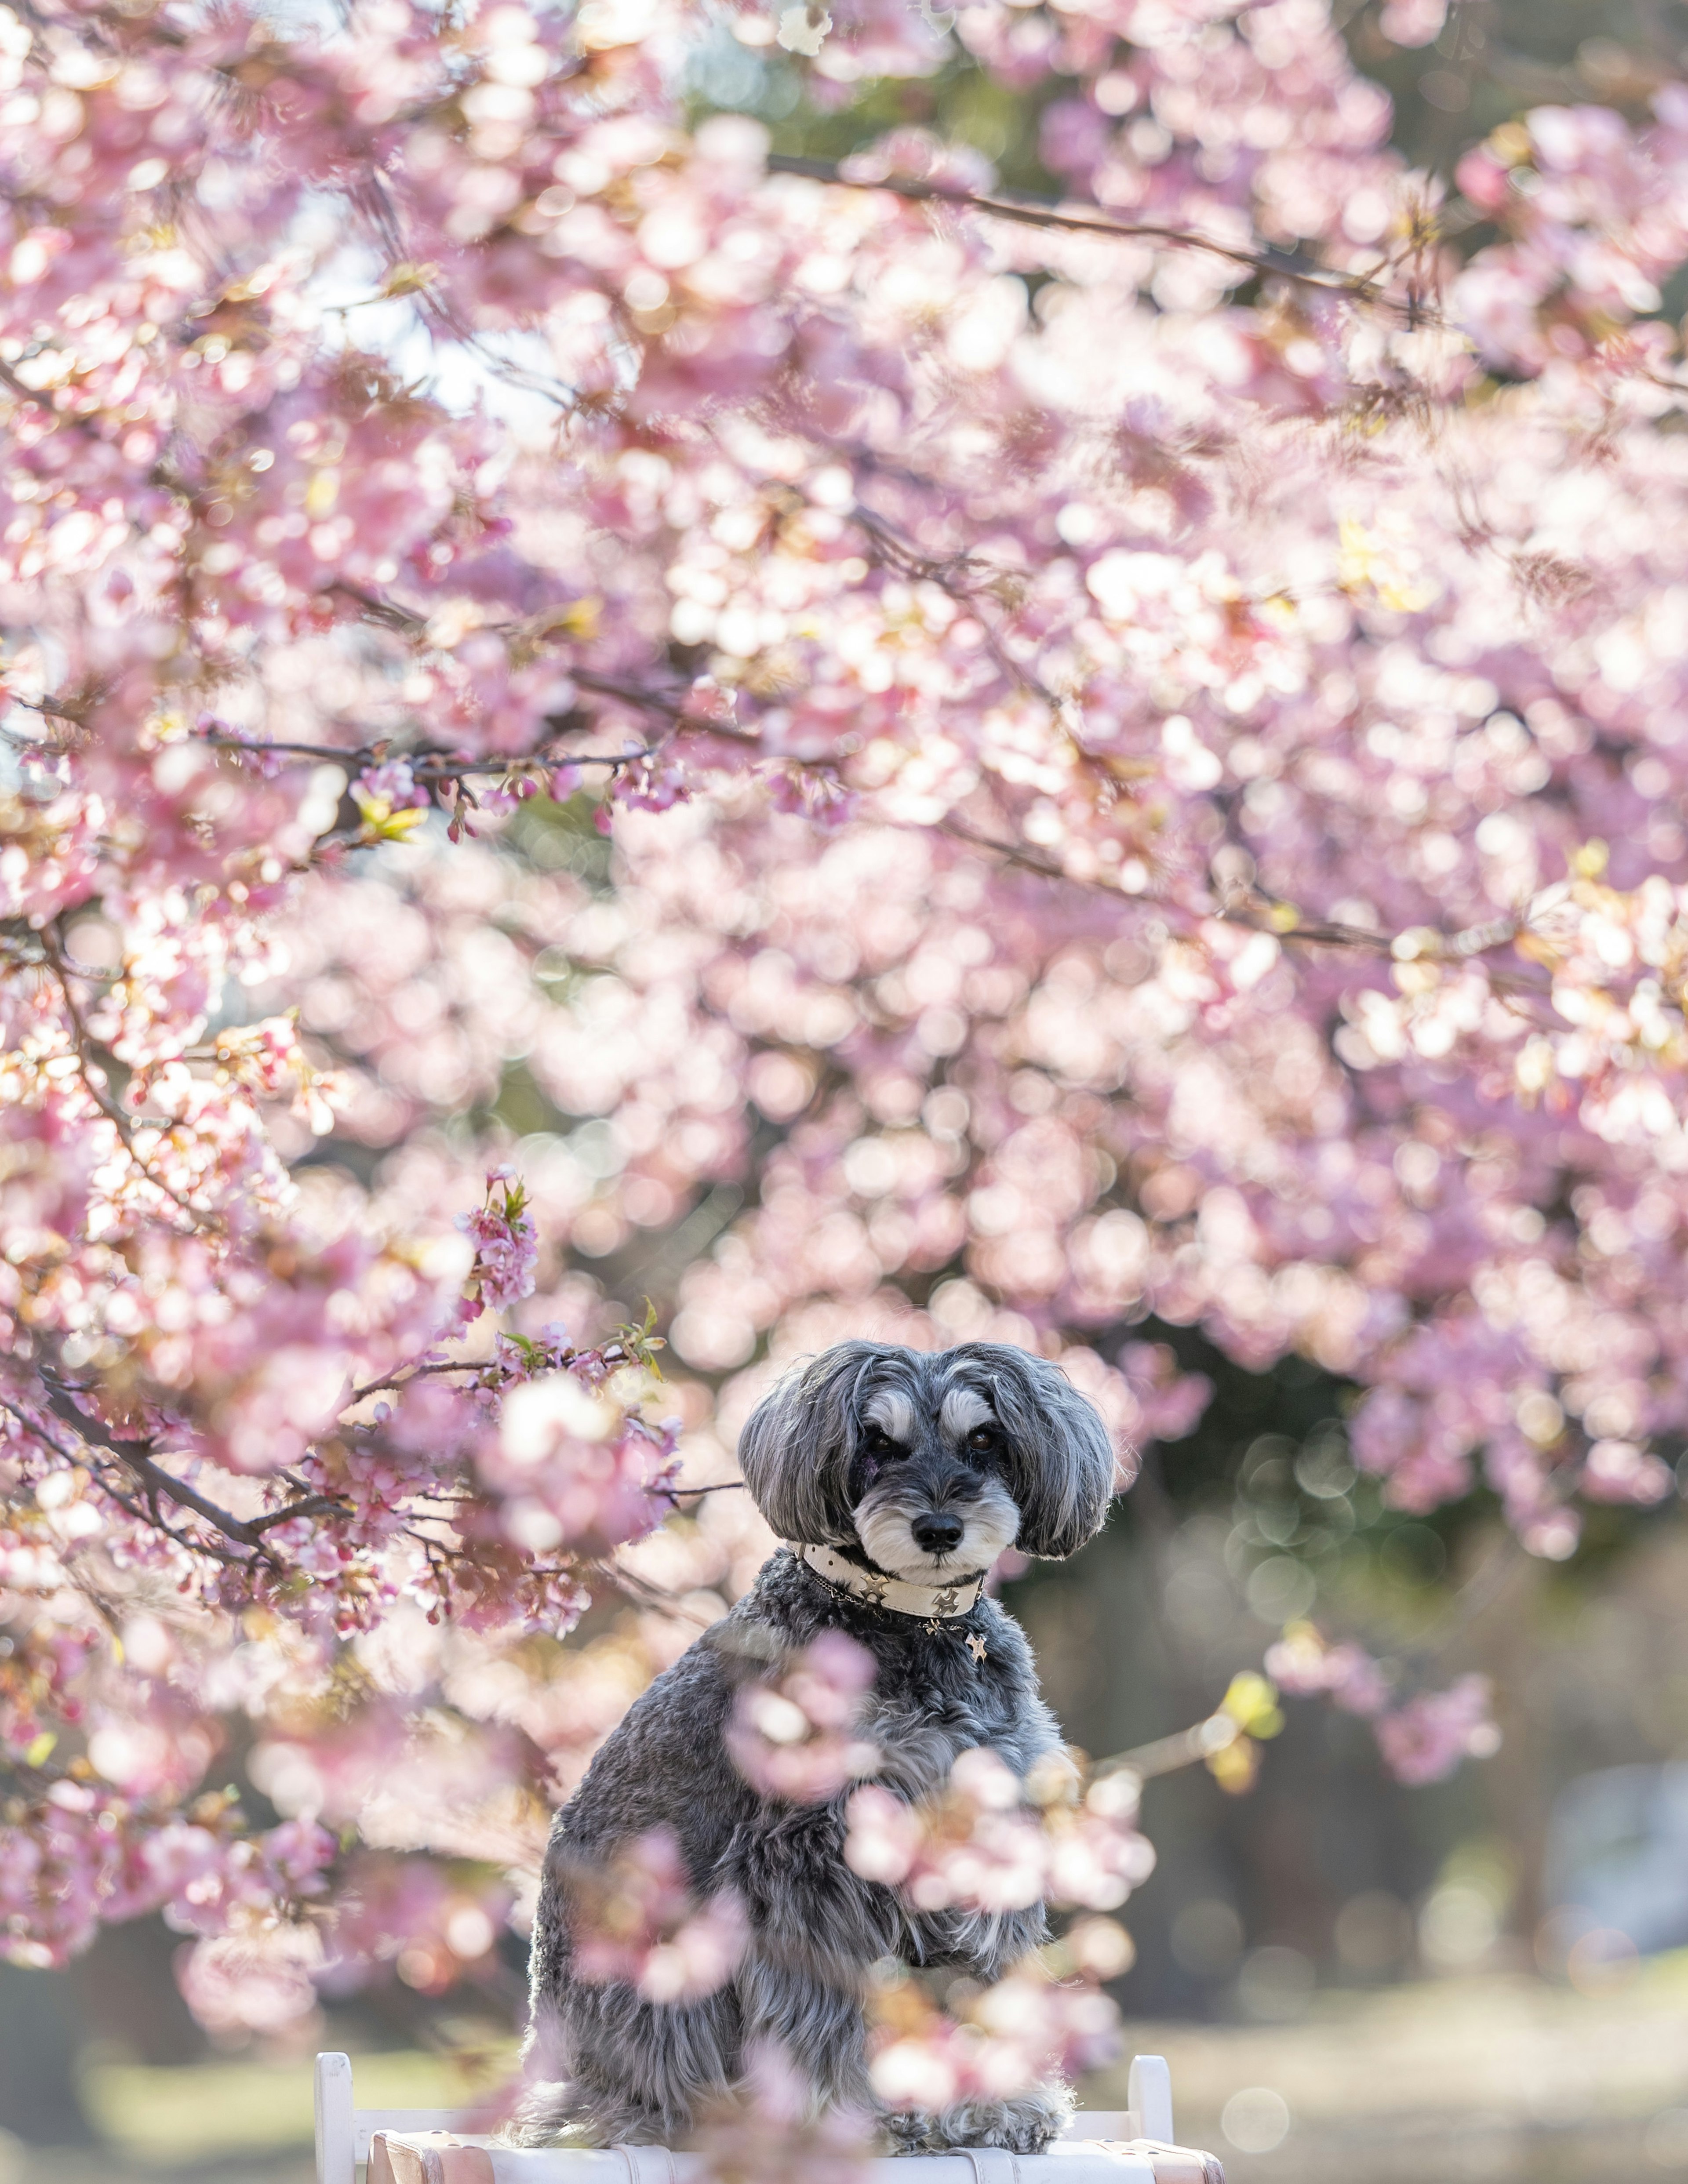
(426, 2157)
(444, 2158)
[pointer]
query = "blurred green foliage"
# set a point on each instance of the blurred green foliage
(1493, 60)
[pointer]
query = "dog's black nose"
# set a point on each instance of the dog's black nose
(938, 1535)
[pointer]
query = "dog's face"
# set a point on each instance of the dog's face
(931, 1464)
(926, 1488)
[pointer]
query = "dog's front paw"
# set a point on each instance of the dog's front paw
(909, 2131)
(1026, 2126)
(548, 2116)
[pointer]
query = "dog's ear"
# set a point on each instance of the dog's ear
(797, 1444)
(1061, 1461)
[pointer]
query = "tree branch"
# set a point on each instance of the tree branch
(313, 1504)
(429, 765)
(137, 1457)
(1464, 946)
(96, 1090)
(1033, 212)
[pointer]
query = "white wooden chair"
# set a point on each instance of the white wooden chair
(421, 2146)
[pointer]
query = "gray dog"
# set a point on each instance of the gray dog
(898, 1478)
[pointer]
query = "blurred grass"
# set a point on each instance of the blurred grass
(1503, 2076)
(22, 2164)
(163, 2118)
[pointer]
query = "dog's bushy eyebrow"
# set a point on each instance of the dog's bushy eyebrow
(890, 1409)
(1060, 1459)
(963, 1408)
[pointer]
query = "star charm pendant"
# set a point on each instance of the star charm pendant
(976, 1647)
(932, 1628)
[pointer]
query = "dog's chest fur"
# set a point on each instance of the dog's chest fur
(933, 1698)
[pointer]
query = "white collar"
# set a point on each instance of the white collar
(939, 1603)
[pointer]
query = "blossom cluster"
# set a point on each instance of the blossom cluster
(1423, 1738)
(1068, 765)
(1025, 2031)
(990, 1844)
(798, 1738)
(636, 1922)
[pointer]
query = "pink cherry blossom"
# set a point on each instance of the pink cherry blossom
(1303, 1664)
(987, 1844)
(1428, 1737)
(797, 1738)
(638, 1921)
(591, 706)
(506, 1246)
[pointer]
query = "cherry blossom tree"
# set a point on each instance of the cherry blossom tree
(594, 707)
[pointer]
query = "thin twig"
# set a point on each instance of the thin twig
(1167, 1754)
(1033, 212)
(654, 1596)
(645, 701)
(90, 1074)
(48, 707)
(1464, 946)
(314, 1505)
(404, 1376)
(430, 765)
(35, 1427)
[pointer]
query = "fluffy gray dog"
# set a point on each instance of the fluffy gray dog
(898, 1478)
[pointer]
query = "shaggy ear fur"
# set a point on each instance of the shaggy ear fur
(1061, 1473)
(796, 1446)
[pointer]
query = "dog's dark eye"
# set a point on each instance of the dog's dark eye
(981, 1440)
(879, 1442)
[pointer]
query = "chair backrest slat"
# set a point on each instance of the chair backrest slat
(337, 2128)
(1150, 2095)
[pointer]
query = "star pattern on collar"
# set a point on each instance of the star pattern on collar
(934, 1606)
